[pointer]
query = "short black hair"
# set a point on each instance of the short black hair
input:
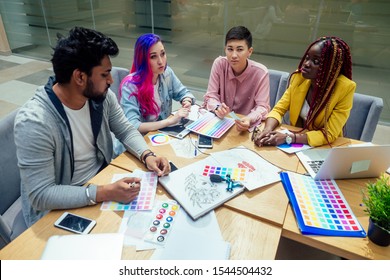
(83, 49)
(239, 33)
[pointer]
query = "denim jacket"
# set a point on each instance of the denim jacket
(170, 88)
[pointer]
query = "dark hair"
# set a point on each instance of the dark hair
(83, 49)
(335, 60)
(239, 33)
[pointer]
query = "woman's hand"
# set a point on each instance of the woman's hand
(270, 138)
(222, 111)
(180, 114)
(243, 124)
(186, 103)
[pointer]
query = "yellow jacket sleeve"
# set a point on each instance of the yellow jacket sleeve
(337, 114)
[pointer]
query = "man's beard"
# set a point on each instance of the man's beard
(93, 95)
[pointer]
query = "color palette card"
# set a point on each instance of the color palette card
(145, 198)
(320, 207)
(163, 219)
(256, 170)
(210, 125)
(237, 174)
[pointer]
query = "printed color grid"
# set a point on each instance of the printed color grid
(210, 125)
(145, 199)
(321, 204)
(237, 174)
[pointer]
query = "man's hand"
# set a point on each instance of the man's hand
(124, 190)
(160, 165)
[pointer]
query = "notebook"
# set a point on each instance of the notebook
(346, 162)
(102, 246)
(178, 131)
(192, 188)
(320, 207)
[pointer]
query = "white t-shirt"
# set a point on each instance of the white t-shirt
(305, 110)
(86, 163)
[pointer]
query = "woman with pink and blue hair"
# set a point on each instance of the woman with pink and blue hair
(146, 94)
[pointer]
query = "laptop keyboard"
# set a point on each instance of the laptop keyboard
(315, 164)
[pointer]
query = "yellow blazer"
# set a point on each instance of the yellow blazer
(340, 105)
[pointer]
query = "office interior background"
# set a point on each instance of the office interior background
(193, 32)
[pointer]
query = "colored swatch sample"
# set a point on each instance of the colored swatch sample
(320, 206)
(293, 148)
(144, 200)
(165, 214)
(237, 174)
(159, 139)
(210, 125)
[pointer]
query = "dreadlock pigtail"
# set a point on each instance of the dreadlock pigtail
(327, 75)
(335, 60)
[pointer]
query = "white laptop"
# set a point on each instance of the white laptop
(346, 162)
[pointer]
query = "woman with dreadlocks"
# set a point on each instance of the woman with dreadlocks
(319, 97)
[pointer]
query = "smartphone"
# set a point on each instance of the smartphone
(75, 223)
(173, 166)
(205, 141)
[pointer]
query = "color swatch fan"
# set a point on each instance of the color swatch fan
(320, 207)
(210, 125)
(145, 198)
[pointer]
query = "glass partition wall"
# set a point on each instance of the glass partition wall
(193, 32)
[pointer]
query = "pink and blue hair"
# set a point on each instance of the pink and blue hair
(141, 75)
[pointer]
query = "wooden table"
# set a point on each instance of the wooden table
(236, 228)
(269, 203)
(252, 222)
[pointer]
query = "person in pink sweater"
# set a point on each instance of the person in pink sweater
(238, 83)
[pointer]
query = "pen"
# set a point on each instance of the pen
(195, 152)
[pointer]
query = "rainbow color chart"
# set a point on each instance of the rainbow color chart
(237, 174)
(144, 200)
(320, 207)
(210, 125)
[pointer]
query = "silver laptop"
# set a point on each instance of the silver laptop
(346, 162)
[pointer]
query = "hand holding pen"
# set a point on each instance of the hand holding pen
(243, 124)
(222, 111)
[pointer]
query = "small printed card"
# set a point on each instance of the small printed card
(293, 147)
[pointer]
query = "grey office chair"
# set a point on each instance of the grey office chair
(117, 73)
(11, 217)
(364, 117)
(278, 84)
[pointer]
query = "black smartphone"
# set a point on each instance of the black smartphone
(205, 141)
(173, 166)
